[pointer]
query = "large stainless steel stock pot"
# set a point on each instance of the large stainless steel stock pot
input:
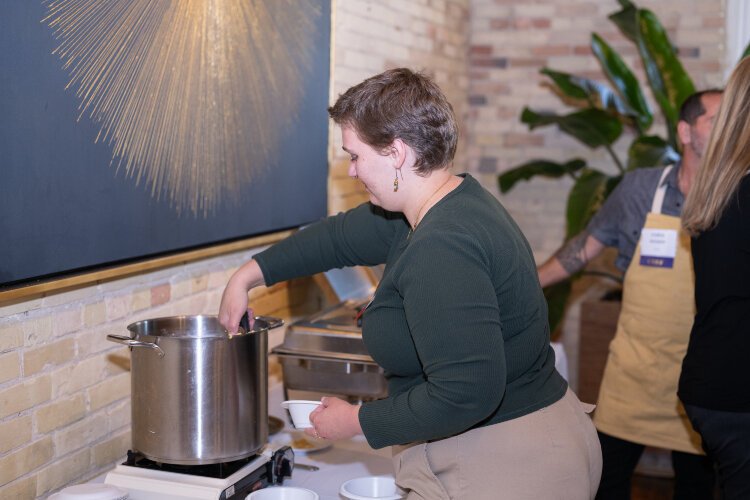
(199, 396)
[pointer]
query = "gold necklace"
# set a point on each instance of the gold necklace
(419, 213)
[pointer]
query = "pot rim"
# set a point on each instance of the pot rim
(200, 326)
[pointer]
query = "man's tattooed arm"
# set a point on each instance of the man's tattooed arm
(572, 256)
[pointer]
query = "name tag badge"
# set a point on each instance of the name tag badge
(658, 247)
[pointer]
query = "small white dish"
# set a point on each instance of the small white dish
(300, 442)
(92, 491)
(283, 493)
(300, 410)
(372, 487)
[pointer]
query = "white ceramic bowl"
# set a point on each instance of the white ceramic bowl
(283, 493)
(300, 410)
(371, 487)
(92, 491)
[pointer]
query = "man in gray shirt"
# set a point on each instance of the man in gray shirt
(647, 203)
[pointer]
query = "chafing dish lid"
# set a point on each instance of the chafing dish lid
(331, 332)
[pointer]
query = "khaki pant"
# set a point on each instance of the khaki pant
(550, 454)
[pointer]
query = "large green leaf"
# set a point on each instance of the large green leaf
(593, 127)
(586, 197)
(624, 81)
(669, 82)
(601, 123)
(569, 85)
(592, 93)
(557, 296)
(746, 52)
(534, 168)
(651, 151)
(625, 20)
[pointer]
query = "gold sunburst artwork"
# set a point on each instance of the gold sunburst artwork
(191, 95)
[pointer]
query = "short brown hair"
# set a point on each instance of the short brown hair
(401, 104)
(692, 108)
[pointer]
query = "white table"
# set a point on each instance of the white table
(344, 460)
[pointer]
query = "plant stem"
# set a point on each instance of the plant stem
(619, 164)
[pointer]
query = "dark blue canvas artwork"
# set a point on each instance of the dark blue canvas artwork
(151, 137)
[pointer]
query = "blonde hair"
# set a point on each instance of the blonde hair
(727, 156)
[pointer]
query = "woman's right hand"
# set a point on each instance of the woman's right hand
(234, 299)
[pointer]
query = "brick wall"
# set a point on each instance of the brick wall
(426, 35)
(65, 390)
(510, 42)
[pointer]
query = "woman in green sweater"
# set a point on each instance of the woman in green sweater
(458, 322)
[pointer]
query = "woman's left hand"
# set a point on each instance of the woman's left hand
(334, 419)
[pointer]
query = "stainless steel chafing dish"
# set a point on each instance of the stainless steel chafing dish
(325, 353)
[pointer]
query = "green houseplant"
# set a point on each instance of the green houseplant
(603, 112)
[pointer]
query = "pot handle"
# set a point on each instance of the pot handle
(270, 321)
(135, 343)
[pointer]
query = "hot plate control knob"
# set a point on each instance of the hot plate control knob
(281, 465)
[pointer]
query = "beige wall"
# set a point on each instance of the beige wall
(64, 390)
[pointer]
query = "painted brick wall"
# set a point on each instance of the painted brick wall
(65, 389)
(372, 36)
(510, 42)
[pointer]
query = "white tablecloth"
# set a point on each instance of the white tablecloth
(561, 359)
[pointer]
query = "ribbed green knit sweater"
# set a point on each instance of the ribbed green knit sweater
(458, 322)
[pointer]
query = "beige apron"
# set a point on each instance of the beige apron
(638, 396)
